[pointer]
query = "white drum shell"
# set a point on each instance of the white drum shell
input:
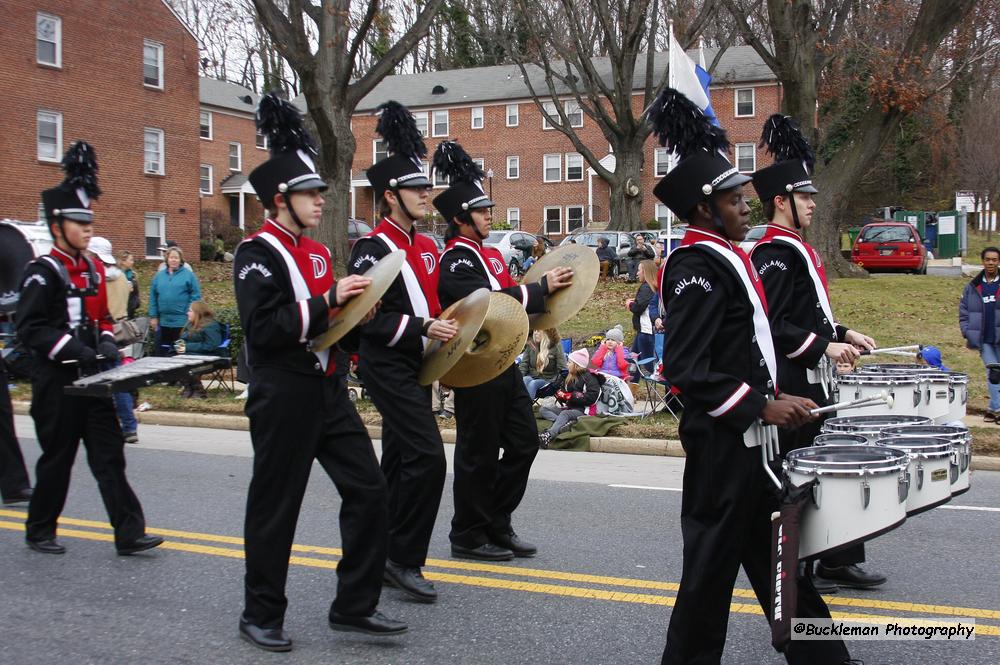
(870, 426)
(838, 516)
(929, 471)
(958, 396)
(960, 472)
(904, 390)
(935, 400)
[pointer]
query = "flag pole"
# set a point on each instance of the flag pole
(671, 83)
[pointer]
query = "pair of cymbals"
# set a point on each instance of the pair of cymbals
(564, 304)
(492, 330)
(382, 275)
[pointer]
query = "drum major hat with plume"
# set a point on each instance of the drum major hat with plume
(405, 145)
(793, 165)
(704, 169)
(72, 198)
(466, 190)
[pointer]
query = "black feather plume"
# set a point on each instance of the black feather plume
(682, 127)
(399, 129)
(281, 122)
(451, 160)
(783, 139)
(80, 165)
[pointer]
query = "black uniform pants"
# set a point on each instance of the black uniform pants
(13, 472)
(61, 421)
(793, 439)
(413, 459)
(491, 417)
(725, 523)
(295, 419)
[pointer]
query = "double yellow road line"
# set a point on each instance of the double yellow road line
(528, 580)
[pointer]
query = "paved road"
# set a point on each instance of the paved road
(600, 591)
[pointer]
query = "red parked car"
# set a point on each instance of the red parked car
(890, 246)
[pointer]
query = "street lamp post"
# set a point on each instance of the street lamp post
(489, 176)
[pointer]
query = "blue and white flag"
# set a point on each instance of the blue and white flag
(690, 79)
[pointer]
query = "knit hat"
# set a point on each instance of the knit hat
(616, 334)
(581, 357)
(932, 356)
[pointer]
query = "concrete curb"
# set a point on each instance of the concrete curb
(598, 444)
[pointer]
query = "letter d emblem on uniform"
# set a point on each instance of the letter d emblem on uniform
(430, 261)
(497, 266)
(319, 265)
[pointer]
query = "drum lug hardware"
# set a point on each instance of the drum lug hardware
(817, 492)
(916, 398)
(866, 493)
(903, 486)
(953, 468)
(920, 476)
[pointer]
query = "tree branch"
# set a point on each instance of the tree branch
(750, 36)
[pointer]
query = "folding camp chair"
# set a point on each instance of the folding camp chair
(224, 376)
(659, 393)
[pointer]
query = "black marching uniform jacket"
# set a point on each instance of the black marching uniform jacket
(390, 355)
(492, 416)
(300, 411)
(718, 351)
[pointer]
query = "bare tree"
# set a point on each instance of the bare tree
(332, 85)
(889, 49)
(979, 150)
(591, 54)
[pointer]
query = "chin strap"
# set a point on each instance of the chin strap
(402, 206)
(291, 211)
(795, 210)
(716, 217)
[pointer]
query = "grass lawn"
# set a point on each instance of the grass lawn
(895, 309)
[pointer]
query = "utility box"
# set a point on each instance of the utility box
(950, 233)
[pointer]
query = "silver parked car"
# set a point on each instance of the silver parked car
(515, 246)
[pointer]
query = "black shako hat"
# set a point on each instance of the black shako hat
(71, 199)
(466, 190)
(291, 167)
(687, 132)
(405, 145)
(794, 160)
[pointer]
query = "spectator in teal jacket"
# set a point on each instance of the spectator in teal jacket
(201, 336)
(173, 290)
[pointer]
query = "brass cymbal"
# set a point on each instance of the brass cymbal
(563, 305)
(468, 314)
(382, 275)
(498, 342)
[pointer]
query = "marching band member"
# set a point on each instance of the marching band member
(802, 322)
(299, 410)
(718, 351)
(391, 352)
(495, 415)
(63, 317)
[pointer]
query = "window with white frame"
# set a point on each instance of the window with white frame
(574, 218)
(477, 117)
(574, 113)
(552, 168)
(661, 158)
(513, 167)
(550, 108)
(261, 141)
(156, 230)
(48, 40)
(235, 156)
(480, 162)
(746, 157)
(660, 212)
(205, 125)
(379, 151)
(513, 115)
(553, 220)
(205, 185)
(440, 123)
(41, 211)
(152, 144)
(514, 218)
(49, 136)
(421, 118)
(152, 64)
(440, 180)
(574, 166)
(744, 102)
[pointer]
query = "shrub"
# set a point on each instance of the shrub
(207, 249)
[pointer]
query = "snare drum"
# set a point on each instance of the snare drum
(961, 449)
(958, 395)
(936, 391)
(905, 392)
(840, 439)
(861, 493)
(870, 427)
(928, 470)
(876, 368)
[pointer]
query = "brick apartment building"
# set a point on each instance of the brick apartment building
(540, 183)
(122, 76)
(230, 148)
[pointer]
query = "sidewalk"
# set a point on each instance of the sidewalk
(598, 444)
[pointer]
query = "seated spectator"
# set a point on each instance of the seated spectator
(543, 360)
(610, 356)
(201, 336)
(606, 256)
(638, 253)
(578, 396)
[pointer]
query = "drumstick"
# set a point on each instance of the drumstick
(889, 352)
(908, 347)
(883, 398)
(74, 361)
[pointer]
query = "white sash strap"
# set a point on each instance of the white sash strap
(494, 284)
(821, 295)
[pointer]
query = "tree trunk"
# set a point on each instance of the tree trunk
(625, 210)
(335, 167)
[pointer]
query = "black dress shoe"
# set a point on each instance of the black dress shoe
(140, 544)
(515, 544)
(377, 624)
(823, 586)
(411, 581)
(852, 576)
(49, 546)
(268, 639)
(20, 496)
(487, 552)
